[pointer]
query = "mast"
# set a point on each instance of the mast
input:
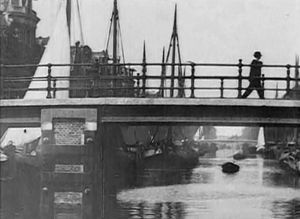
(144, 70)
(163, 74)
(297, 71)
(68, 8)
(174, 46)
(174, 34)
(144, 52)
(115, 34)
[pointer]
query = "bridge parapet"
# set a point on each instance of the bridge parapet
(193, 80)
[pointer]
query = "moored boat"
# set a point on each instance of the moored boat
(230, 167)
(290, 161)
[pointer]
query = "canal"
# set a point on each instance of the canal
(261, 189)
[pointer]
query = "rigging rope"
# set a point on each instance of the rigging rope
(109, 32)
(122, 48)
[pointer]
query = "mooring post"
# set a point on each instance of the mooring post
(240, 66)
(193, 81)
(49, 81)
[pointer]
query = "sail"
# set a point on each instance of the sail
(76, 33)
(20, 136)
(57, 52)
(199, 134)
(260, 139)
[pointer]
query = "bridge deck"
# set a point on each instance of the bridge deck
(150, 101)
(235, 112)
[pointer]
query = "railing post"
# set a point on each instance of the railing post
(288, 79)
(263, 84)
(138, 84)
(144, 71)
(240, 65)
(49, 81)
(222, 88)
(193, 81)
(54, 88)
(163, 80)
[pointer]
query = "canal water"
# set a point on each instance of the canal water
(261, 189)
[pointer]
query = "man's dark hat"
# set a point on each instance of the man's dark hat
(257, 54)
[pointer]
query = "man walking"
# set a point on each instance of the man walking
(255, 77)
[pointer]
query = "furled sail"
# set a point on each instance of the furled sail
(260, 139)
(57, 52)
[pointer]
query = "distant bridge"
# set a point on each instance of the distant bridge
(227, 141)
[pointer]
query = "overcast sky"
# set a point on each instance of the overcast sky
(209, 30)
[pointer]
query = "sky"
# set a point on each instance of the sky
(213, 31)
(209, 30)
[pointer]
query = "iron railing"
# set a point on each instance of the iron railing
(145, 80)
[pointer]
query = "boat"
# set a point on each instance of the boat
(239, 156)
(162, 144)
(230, 167)
(290, 159)
(158, 146)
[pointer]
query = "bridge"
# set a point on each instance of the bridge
(145, 93)
(81, 135)
(236, 112)
(199, 80)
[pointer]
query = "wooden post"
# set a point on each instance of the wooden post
(193, 81)
(240, 65)
(49, 81)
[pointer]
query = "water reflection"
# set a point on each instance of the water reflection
(260, 190)
(153, 210)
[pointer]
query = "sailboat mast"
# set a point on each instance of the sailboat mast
(163, 74)
(174, 35)
(115, 34)
(297, 71)
(68, 9)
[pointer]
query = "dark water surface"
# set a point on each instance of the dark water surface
(259, 190)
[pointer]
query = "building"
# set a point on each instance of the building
(18, 44)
